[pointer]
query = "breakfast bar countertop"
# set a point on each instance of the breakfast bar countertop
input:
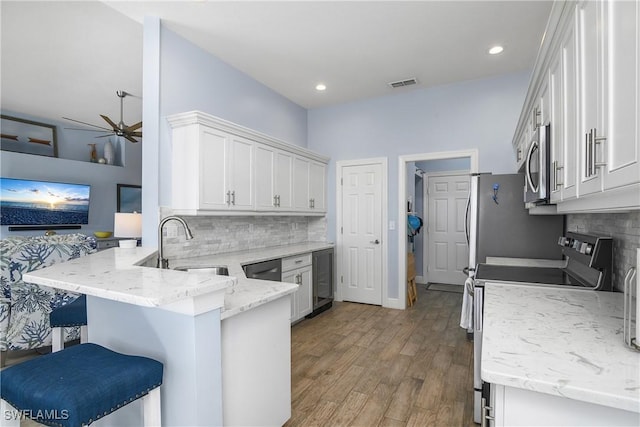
(126, 275)
(114, 274)
(565, 343)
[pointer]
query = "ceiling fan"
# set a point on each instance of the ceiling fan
(120, 129)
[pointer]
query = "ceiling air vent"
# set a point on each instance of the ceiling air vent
(401, 83)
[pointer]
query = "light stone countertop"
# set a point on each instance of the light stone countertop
(249, 293)
(561, 342)
(118, 274)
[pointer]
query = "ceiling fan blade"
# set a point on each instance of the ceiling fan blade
(138, 134)
(108, 120)
(89, 130)
(129, 138)
(133, 127)
(104, 136)
(88, 124)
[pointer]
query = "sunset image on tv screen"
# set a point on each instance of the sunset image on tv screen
(26, 202)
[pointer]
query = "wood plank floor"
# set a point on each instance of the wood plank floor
(364, 365)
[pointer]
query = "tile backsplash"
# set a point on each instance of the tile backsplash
(221, 234)
(625, 230)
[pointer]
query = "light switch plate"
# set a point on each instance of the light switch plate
(392, 225)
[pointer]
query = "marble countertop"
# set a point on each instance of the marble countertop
(249, 293)
(114, 274)
(119, 274)
(561, 342)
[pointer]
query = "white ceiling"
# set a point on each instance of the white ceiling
(65, 58)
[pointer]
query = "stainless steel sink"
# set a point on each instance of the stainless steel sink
(219, 270)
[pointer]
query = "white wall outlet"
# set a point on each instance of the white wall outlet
(392, 225)
(172, 231)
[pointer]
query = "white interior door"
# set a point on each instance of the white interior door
(448, 250)
(361, 278)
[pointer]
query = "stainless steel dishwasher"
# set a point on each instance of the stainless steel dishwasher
(266, 270)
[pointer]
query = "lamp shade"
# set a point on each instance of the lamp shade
(127, 225)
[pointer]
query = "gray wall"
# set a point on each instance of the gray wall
(478, 114)
(625, 230)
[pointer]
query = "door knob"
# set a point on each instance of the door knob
(375, 242)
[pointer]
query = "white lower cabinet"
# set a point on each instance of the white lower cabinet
(510, 406)
(297, 269)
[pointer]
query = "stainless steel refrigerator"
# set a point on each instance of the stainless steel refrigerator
(501, 226)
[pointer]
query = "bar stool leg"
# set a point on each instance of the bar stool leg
(57, 339)
(9, 416)
(151, 408)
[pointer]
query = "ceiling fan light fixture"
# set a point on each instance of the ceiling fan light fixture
(496, 50)
(321, 87)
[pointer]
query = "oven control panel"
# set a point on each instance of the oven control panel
(577, 245)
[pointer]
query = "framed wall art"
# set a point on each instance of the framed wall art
(129, 198)
(27, 136)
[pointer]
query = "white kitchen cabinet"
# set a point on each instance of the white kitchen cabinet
(212, 170)
(594, 108)
(283, 180)
(317, 186)
(264, 176)
(220, 168)
(621, 51)
(273, 179)
(297, 269)
(514, 407)
(301, 200)
(591, 78)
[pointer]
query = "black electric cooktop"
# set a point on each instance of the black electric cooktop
(544, 276)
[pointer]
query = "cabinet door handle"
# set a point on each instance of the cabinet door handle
(228, 201)
(519, 155)
(298, 261)
(278, 200)
(587, 154)
(233, 198)
(275, 201)
(556, 169)
(484, 413)
(597, 140)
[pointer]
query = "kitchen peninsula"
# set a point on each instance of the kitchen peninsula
(172, 316)
(557, 357)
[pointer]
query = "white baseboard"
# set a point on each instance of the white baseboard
(393, 303)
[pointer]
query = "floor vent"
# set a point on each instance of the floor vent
(401, 83)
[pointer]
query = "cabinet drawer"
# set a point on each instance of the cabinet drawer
(296, 261)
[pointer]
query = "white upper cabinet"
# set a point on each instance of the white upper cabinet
(219, 167)
(591, 74)
(264, 176)
(621, 47)
(317, 185)
(586, 83)
(301, 184)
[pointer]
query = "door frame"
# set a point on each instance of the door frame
(340, 164)
(425, 241)
(472, 154)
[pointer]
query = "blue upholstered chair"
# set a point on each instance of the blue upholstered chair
(78, 385)
(69, 315)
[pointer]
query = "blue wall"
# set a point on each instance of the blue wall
(478, 114)
(193, 79)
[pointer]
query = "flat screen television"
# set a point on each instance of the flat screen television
(27, 202)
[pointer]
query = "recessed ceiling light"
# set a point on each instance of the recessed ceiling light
(320, 87)
(496, 50)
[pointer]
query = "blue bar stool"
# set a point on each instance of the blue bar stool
(79, 385)
(72, 314)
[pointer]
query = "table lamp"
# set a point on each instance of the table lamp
(127, 225)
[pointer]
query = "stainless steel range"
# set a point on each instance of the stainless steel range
(588, 264)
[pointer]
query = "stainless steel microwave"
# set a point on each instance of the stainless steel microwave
(537, 167)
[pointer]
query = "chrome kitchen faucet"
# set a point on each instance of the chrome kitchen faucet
(162, 262)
